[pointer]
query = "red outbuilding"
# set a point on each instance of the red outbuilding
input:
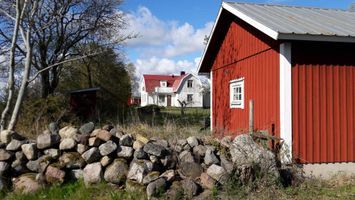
(297, 64)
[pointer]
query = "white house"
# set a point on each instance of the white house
(168, 90)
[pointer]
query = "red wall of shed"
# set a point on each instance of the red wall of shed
(323, 89)
(246, 52)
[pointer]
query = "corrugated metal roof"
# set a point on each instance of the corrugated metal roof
(300, 20)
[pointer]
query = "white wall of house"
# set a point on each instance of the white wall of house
(195, 91)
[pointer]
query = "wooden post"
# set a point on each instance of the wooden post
(251, 116)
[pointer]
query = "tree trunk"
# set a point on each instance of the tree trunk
(11, 85)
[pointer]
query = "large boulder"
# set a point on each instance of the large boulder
(104, 135)
(26, 183)
(93, 173)
(191, 169)
(186, 156)
(245, 152)
(210, 157)
(190, 187)
(116, 172)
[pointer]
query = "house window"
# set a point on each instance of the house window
(163, 83)
(189, 83)
(189, 98)
(161, 99)
(236, 91)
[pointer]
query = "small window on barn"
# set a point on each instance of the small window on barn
(189, 98)
(189, 83)
(236, 91)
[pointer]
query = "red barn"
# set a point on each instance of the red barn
(298, 66)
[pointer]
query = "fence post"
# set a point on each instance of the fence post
(251, 116)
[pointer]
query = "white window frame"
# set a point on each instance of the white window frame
(163, 84)
(233, 84)
(187, 97)
(189, 81)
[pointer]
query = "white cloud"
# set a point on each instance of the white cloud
(156, 65)
(164, 38)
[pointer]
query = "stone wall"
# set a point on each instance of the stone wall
(192, 165)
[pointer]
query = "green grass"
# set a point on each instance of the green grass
(77, 191)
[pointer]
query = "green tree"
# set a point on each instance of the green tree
(107, 71)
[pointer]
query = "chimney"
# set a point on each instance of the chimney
(182, 73)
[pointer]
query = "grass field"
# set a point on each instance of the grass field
(337, 188)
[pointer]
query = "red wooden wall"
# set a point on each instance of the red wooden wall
(323, 89)
(245, 52)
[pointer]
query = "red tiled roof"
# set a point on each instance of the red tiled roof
(151, 81)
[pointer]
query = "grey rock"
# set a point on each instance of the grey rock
(5, 155)
(150, 177)
(245, 151)
(72, 160)
(67, 144)
(104, 135)
(40, 164)
(30, 151)
(186, 156)
(68, 132)
(93, 173)
(92, 155)
(140, 154)
(26, 183)
(46, 140)
(199, 151)
(87, 128)
(107, 148)
(116, 172)
(138, 169)
(226, 164)
(53, 128)
(124, 152)
(106, 160)
(218, 173)
(33, 165)
(126, 140)
(54, 175)
(53, 153)
(94, 142)
(169, 175)
(81, 148)
(210, 158)
(20, 155)
(192, 141)
(5, 136)
(192, 170)
(190, 187)
(76, 174)
(156, 187)
(14, 145)
(154, 149)
(161, 142)
(181, 142)
(4, 166)
(18, 167)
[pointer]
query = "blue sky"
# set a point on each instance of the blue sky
(171, 32)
